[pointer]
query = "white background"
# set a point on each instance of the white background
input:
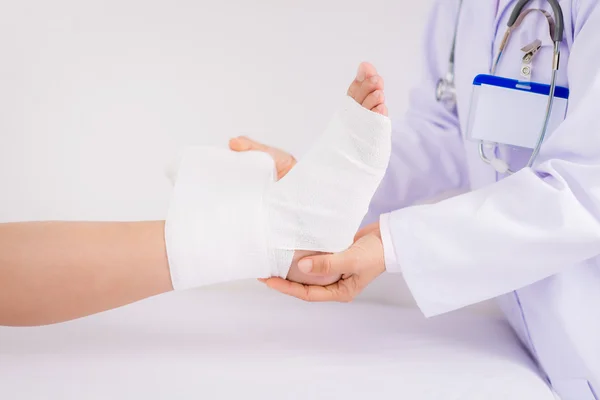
(96, 97)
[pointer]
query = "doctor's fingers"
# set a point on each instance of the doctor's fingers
(364, 257)
(374, 99)
(365, 71)
(343, 291)
(367, 87)
(330, 264)
(381, 109)
(284, 161)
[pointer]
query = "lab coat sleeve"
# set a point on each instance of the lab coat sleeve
(524, 228)
(427, 151)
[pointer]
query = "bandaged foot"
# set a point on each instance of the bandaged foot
(230, 219)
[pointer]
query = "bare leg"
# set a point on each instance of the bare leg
(57, 271)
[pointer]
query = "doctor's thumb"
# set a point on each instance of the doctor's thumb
(329, 264)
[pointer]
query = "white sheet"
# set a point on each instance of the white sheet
(256, 344)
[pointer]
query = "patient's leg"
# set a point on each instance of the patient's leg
(230, 220)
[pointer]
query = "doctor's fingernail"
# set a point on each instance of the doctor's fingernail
(305, 266)
(360, 75)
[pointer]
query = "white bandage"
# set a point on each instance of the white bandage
(215, 230)
(321, 202)
(229, 219)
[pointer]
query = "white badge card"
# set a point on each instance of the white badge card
(510, 112)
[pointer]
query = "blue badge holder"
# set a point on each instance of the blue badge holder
(511, 112)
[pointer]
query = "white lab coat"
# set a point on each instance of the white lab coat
(532, 238)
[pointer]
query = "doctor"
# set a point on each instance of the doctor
(528, 230)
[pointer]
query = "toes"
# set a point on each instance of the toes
(284, 161)
(368, 86)
(381, 109)
(374, 99)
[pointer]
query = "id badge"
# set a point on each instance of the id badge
(512, 112)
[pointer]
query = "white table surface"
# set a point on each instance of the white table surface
(249, 342)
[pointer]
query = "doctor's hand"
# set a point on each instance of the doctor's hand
(284, 161)
(359, 266)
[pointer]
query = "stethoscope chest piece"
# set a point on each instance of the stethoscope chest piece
(445, 91)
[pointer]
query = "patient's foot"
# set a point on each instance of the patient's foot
(219, 224)
(319, 205)
(367, 90)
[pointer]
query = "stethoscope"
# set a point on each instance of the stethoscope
(446, 89)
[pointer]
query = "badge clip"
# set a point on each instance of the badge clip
(527, 62)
